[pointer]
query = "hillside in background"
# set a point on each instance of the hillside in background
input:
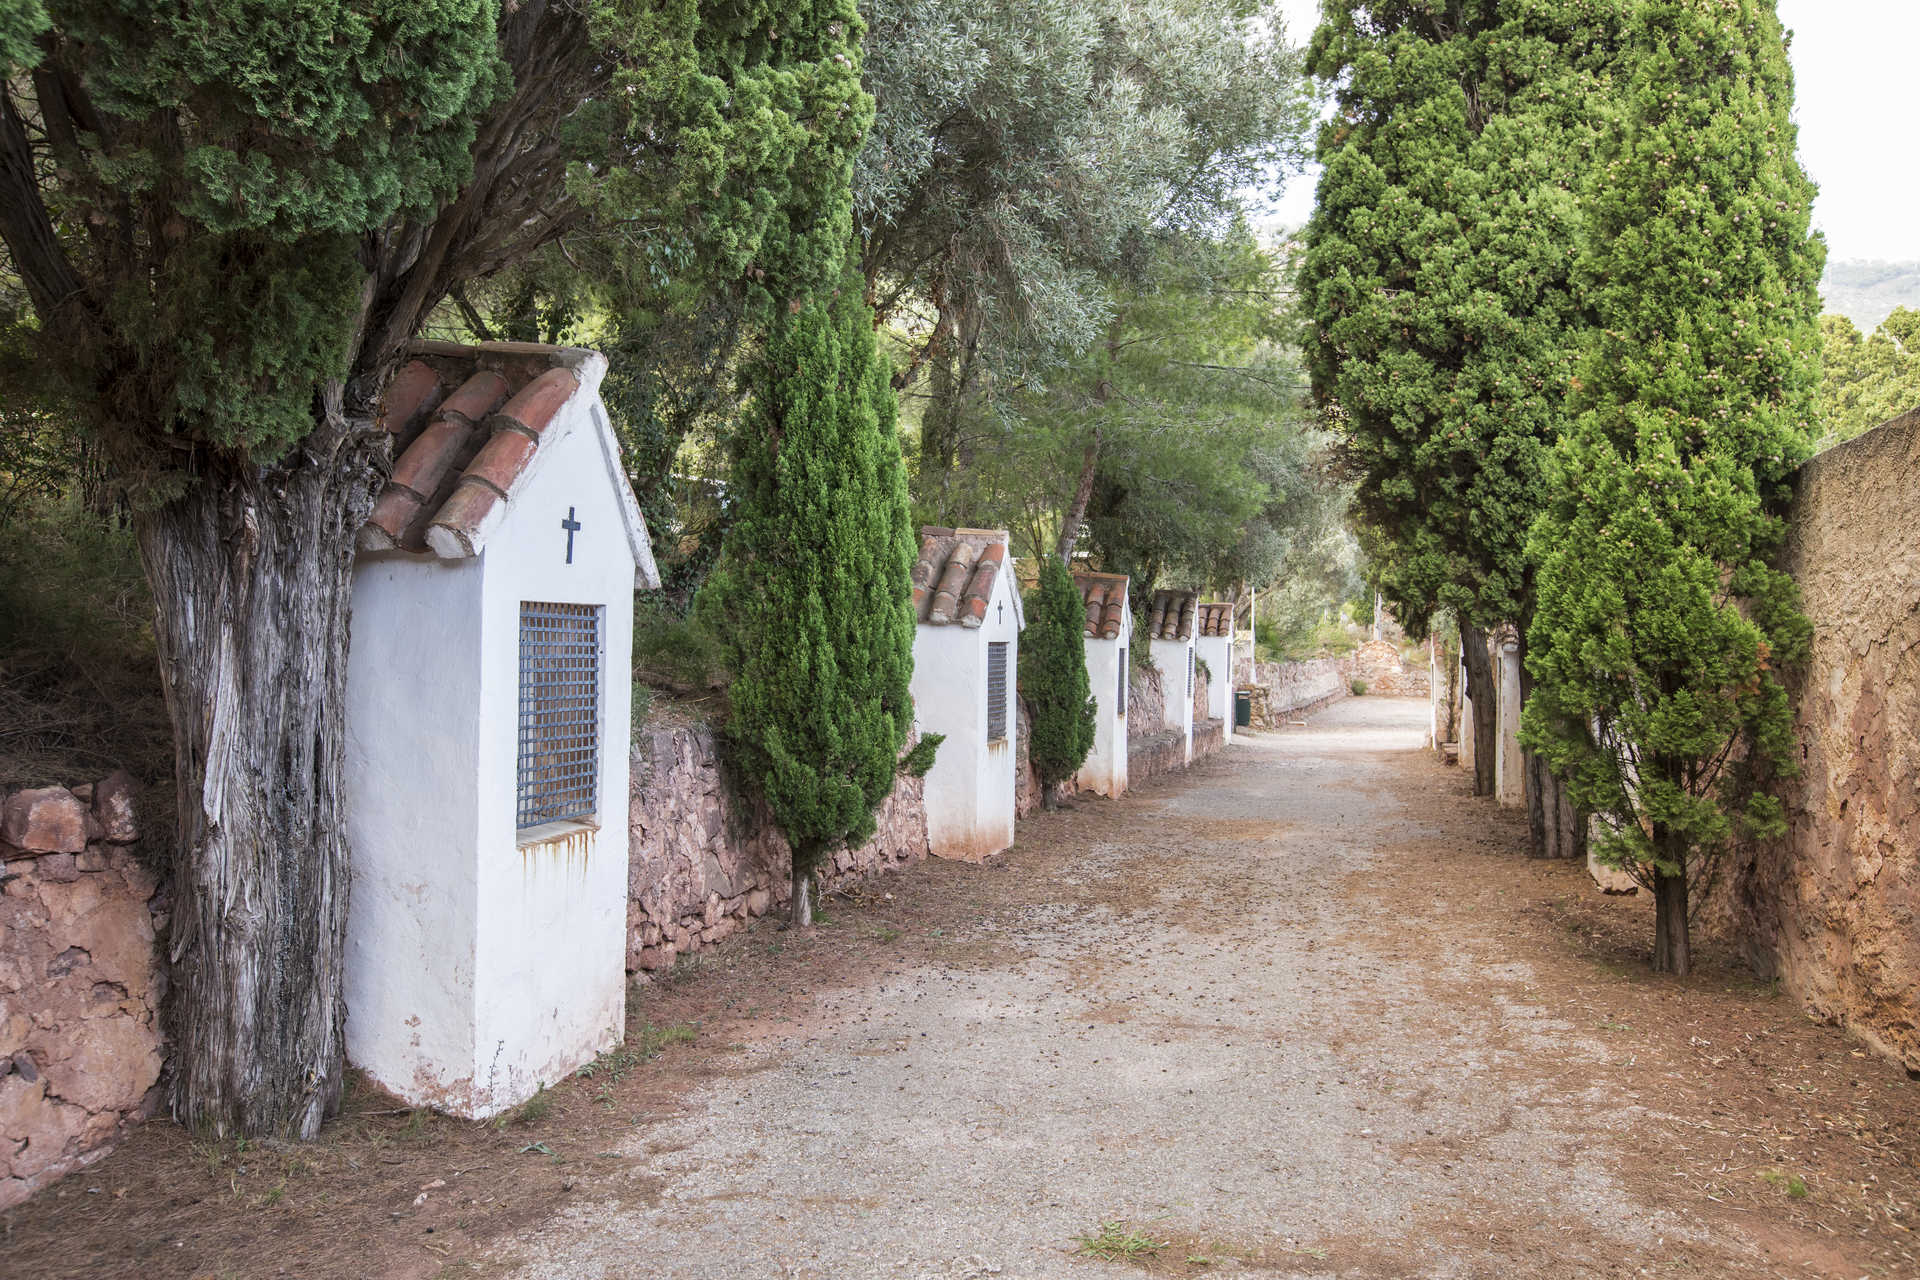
(1866, 292)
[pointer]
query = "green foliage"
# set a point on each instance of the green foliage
(79, 688)
(920, 756)
(1442, 323)
(675, 650)
(1025, 151)
(1357, 687)
(1053, 676)
(1662, 626)
(1866, 381)
(21, 22)
(812, 596)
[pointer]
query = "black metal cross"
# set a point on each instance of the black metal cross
(572, 527)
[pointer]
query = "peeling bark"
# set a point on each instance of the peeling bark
(1083, 494)
(251, 575)
(1485, 695)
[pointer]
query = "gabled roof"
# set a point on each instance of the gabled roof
(471, 426)
(955, 575)
(1172, 614)
(1216, 619)
(1105, 595)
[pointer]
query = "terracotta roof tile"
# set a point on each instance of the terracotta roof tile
(469, 424)
(1105, 595)
(1172, 614)
(954, 576)
(413, 394)
(1216, 619)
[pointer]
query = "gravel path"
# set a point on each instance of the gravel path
(1187, 1012)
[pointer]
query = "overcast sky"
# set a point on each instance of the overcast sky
(1854, 75)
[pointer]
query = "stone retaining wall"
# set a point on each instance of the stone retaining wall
(1283, 689)
(703, 861)
(1146, 704)
(80, 980)
(1830, 908)
(1380, 664)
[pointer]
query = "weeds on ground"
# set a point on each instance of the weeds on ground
(1780, 1180)
(1119, 1242)
(532, 1111)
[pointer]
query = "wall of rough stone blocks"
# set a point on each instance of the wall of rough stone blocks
(704, 861)
(1831, 908)
(1283, 689)
(1146, 704)
(80, 980)
(1387, 673)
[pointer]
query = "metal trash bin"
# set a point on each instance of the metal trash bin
(1243, 709)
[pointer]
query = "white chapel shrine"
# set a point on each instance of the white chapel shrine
(965, 672)
(1109, 635)
(488, 710)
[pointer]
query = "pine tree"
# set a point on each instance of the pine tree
(812, 597)
(1053, 678)
(1662, 626)
(1442, 321)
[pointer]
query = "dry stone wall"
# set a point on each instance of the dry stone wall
(1380, 664)
(80, 980)
(1146, 704)
(1831, 908)
(704, 861)
(1283, 689)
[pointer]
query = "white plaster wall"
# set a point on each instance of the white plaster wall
(1509, 780)
(949, 679)
(1105, 770)
(413, 679)
(1217, 653)
(1171, 657)
(970, 789)
(1466, 721)
(551, 971)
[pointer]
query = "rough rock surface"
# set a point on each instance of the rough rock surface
(704, 860)
(1146, 704)
(1830, 908)
(1380, 664)
(80, 982)
(1283, 689)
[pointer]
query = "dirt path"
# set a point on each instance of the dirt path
(1255, 1016)
(1304, 1011)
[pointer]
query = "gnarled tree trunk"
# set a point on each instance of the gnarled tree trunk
(1672, 948)
(1555, 826)
(251, 573)
(1485, 695)
(800, 905)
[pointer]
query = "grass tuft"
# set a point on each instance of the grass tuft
(1119, 1242)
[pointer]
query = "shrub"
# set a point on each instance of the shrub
(1357, 686)
(1053, 678)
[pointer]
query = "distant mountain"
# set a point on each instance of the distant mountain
(1867, 292)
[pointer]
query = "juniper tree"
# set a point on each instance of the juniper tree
(1442, 323)
(813, 596)
(230, 218)
(1662, 626)
(1053, 678)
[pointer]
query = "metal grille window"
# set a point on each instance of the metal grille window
(1122, 700)
(996, 690)
(1189, 671)
(559, 764)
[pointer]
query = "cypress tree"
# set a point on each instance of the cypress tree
(229, 219)
(1053, 678)
(1442, 321)
(812, 596)
(1661, 625)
